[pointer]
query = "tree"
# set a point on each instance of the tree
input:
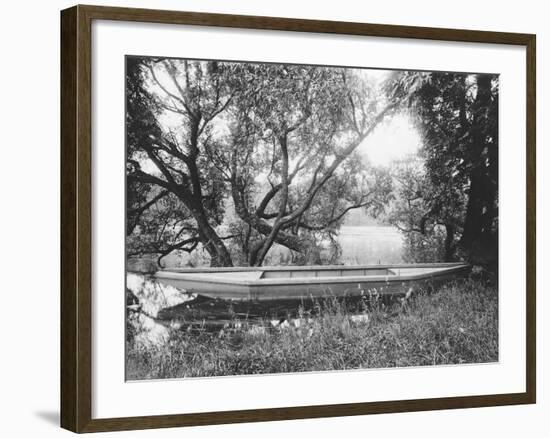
(297, 130)
(428, 215)
(480, 236)
(197, 93)
(274, 143)
(457, 116)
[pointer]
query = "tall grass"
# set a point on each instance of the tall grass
(457, 324)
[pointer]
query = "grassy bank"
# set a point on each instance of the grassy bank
(457, 324)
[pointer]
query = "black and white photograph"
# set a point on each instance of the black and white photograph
(286, 218)
(269, 219)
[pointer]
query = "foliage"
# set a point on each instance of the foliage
(235, 159)
(171, 158)
(428, 237)
(455, 187)
(260, 150)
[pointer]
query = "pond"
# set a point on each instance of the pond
(370, 245)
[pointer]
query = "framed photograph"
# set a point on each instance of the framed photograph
(270, 218)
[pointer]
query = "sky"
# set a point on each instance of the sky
(393, 139)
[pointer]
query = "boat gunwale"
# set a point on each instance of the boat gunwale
(183, 276)
(314, 267)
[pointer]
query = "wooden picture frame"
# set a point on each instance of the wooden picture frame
(76, 218)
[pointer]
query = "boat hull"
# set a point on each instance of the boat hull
(277, 283)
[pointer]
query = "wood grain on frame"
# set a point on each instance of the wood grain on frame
(76, 238)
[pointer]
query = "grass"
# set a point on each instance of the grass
(457, 324)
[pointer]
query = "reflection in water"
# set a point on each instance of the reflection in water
(149, 298)
(154, 296)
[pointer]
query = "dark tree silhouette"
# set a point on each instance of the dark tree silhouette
(457, 115)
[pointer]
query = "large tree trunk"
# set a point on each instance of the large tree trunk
(212, 243)
(288, 240)
(479, 239)
(219, 255)
(449, 242)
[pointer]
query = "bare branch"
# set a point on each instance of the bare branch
(136, 213)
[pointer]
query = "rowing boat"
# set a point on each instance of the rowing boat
(299, 282)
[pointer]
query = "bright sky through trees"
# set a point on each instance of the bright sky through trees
(395, 138)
